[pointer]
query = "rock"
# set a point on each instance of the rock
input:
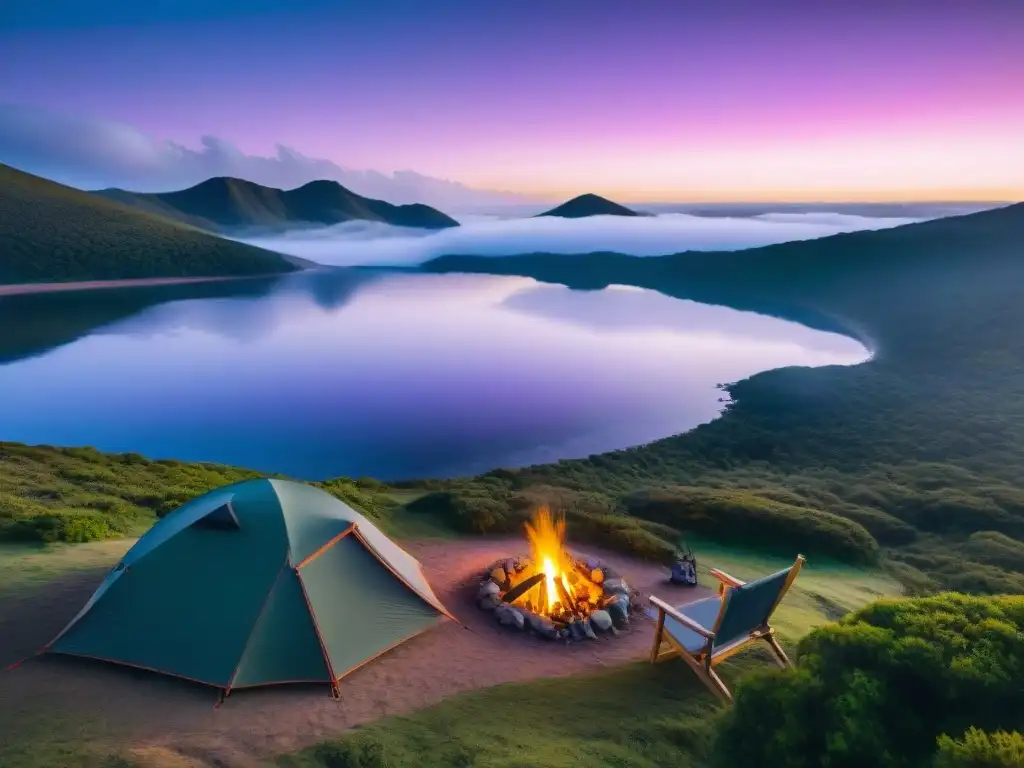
(488, 588)
(498, 576)
(619, 613)
(592, 563)
(601, 621)
(615, 632)
(588, 630)
(490, 602)
(597, 576)
(578, 633)
(542, 626)
(508, 616)
(619, 585)
(510, 566)
(613, 598)
(609, 573)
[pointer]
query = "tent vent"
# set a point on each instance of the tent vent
(223, 518)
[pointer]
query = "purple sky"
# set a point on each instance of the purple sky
(651, 100)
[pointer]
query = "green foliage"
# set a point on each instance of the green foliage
(978, 749)
(745, 518)
(79, 494)
(52, 233)
(993, 548)
(882, 685)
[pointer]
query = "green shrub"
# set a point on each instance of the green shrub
(978, 749)
(882, 685)
(744, 517)
(467, 511)
(994, 548)
(885, 528)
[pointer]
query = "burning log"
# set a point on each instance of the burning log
(566, 599)
(523, 587)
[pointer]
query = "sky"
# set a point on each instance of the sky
(661, 100)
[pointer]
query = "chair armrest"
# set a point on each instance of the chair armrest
(725, 578)
(686, 621)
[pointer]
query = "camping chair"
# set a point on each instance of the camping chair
(707, 632)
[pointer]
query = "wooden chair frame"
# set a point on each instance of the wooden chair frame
(703, 661)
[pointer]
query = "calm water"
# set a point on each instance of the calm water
(392, 375)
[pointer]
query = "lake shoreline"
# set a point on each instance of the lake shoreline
(24, 289)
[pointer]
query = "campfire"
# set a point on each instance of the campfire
(553, 593)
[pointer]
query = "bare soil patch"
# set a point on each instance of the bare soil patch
(149, 711)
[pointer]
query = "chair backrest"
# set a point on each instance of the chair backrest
(748, 607)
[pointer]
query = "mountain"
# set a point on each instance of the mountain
(224, 203)
(53, 233)
(589, 205)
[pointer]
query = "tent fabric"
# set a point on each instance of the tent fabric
(366, 609)
(299, 588)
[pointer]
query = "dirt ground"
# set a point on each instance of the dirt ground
(158, 712)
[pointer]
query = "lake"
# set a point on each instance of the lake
(378, 373)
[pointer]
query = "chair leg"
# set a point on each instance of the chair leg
(708, 677)
(658, 633)
(780, 656)
(720, 687)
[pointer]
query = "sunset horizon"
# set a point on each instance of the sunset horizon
(742, 103)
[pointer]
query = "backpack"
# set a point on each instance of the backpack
(684, 569)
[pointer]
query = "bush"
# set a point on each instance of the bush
(467, 511)
(993, 548)
(881, 686)
(978, 749)
(746, 518)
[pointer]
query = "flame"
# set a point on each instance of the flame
(557, 593)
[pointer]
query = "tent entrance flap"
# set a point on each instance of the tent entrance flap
(361, 608)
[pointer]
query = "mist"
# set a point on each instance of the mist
(371, 243)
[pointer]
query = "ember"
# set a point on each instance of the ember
(553, 593)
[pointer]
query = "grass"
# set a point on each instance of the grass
(27, 566)
(58, 737)
(824, 590)
(53, 233)
(637, 717)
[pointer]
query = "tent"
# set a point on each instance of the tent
(256, 583)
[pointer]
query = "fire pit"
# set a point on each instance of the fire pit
(554, 594)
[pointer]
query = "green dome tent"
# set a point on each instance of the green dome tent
(257, 583)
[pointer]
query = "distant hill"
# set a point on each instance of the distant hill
(53, 233)
(589, 205)
(223, 203)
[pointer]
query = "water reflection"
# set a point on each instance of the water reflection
(360, 372)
